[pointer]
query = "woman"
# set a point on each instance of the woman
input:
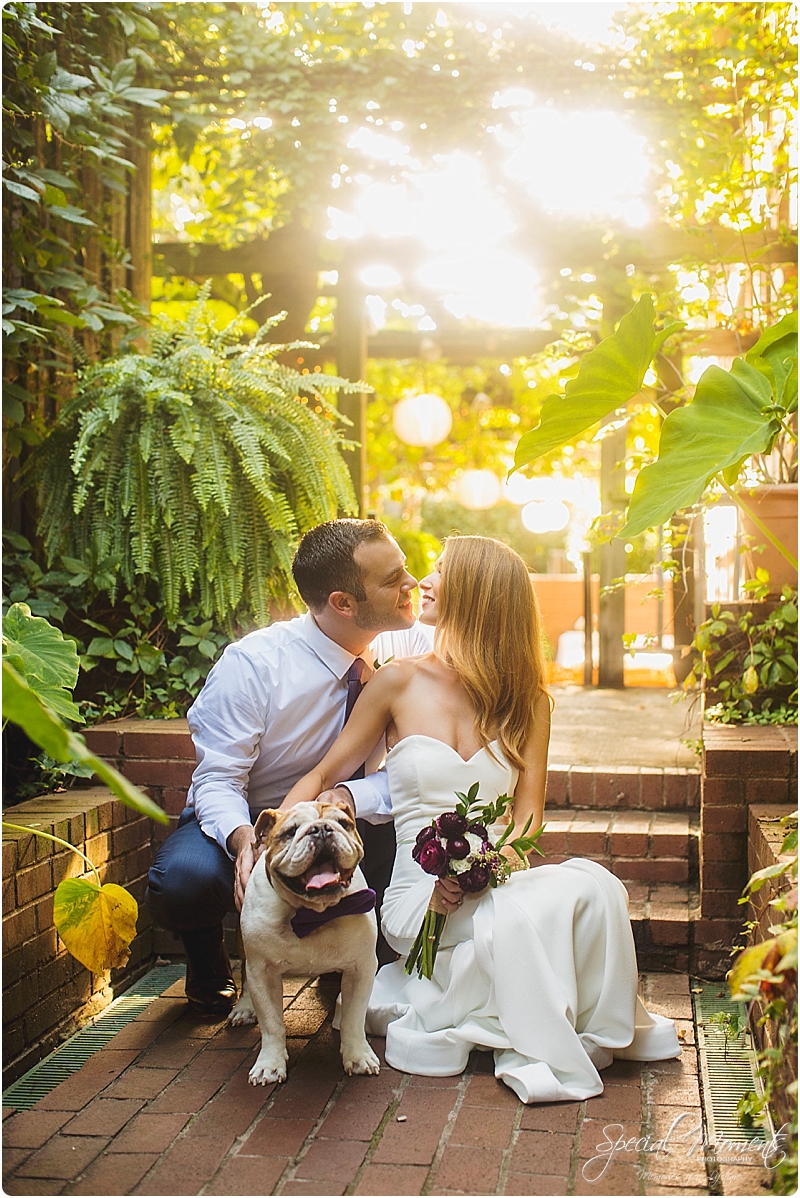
(542, 969)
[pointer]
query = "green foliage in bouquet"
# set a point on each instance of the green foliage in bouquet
(472, 808)
(196, 467)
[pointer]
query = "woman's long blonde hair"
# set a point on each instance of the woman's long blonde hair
(489, 631)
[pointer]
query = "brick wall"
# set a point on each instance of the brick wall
(157, 755)
(742, 766)
(764, 840)
(47, 994)
(765, 837)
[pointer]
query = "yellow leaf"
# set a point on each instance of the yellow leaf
(752, 960)
(96, 923)
(750, 679)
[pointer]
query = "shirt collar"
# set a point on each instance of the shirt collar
(337, 659)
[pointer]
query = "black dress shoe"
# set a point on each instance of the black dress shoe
(210, 988)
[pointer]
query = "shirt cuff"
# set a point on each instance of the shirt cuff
(371, 797)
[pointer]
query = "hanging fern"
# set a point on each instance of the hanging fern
(198, 466)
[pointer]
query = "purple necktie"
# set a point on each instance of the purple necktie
(354, 686)
(354, 689)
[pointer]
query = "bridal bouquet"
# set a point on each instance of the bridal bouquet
(456, 845)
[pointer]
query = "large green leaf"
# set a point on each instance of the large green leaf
(23, 706)
(609, 375)
(96, 923)
(44, 657)
(775, 355)
(725, 422)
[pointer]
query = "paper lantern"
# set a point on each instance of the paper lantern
(422, 420)
(477, 489)
(549, 516)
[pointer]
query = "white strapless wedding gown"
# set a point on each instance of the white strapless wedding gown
(542, 970)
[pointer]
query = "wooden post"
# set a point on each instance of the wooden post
(140, 222)
(351, 351)
(611, 616)
(588, 653)
(686, 588)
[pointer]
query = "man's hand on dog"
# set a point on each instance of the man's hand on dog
(246, 849)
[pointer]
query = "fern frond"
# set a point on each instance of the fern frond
(198, 465)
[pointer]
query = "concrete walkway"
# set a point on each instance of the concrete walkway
(166, 1108)
(637, 726)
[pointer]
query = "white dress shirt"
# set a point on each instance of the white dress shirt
(269, 711)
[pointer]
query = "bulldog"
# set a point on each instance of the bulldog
(307, 911)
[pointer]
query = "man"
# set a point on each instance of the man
(270, 709)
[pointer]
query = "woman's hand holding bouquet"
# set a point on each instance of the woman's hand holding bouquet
(456, 847)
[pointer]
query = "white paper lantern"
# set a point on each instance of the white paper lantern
(477, 489)
(549, 516)
(422, 419)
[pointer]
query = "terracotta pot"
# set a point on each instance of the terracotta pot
(776, 506)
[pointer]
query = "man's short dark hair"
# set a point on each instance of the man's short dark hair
(324, 559)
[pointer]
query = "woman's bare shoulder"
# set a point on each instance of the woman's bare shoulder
(400, 670)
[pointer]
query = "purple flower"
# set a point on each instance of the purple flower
(458, 847)
(433, 857)
(478, 830)
(474, 879)
(451, 824)
(423, 836)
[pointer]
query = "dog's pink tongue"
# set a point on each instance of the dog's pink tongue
(322, 877)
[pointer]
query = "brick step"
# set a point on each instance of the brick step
(665, 919)
(159, 755)
(628, 787)
(637, 846)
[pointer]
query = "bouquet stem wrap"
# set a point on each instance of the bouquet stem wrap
(426, 946)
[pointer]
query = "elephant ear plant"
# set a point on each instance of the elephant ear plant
(40, 666)
(734, 415)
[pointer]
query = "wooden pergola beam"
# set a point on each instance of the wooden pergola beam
(555, 245)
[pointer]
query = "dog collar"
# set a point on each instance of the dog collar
(305, 921)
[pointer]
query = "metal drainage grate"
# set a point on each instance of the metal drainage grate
(74, 1052)
(728, 1070)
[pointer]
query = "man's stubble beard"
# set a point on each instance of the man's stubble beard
(370, 620)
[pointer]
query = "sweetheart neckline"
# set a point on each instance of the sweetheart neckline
(436, 741)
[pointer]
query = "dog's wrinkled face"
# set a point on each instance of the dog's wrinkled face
(311, 852)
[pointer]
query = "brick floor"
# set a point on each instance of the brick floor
(166, 1108)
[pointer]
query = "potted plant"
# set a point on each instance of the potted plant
(194, 468)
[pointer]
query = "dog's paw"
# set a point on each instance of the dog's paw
(267, 1070)
(360, 1059)
(243, 1013)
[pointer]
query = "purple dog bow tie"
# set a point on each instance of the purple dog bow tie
(305, 921)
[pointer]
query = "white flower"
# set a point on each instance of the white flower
(461, 867)
(474, 842)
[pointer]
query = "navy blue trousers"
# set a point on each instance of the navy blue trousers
(190, 883)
